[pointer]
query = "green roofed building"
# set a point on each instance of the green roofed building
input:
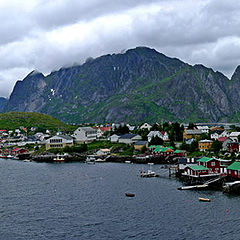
(233, 170)
(196, 170)
(204, 159)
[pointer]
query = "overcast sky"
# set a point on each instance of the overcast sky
(46, 35)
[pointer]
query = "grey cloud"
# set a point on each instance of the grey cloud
(198, 31)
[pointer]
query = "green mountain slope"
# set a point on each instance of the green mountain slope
(138, 85)
(13, 120)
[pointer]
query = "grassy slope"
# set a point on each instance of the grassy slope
(13, 120)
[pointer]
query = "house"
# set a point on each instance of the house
(196, 170)
(85, 134)
(233, 147)
(218, 133)
(225, 141)
(129, 138)
(184, 162)
(163, 151)
(103, 152)
(211, 163)
(234, 136)
(59, 141)
(205, 145)
(234, 170)
(191, 133)
(114, 138)
(139, 145)
(204, 129)
(146, 126)
(102, 130)
(16, 151)
(153, 134)
(180, 153)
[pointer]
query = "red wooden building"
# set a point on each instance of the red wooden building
(233, 147)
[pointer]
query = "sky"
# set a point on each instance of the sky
(47, 35)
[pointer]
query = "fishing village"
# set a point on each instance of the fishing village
(201, 156)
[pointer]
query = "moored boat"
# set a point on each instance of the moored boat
(204, 199)
(59, 158)
(127, 194)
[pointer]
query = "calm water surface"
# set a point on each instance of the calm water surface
(81, 201)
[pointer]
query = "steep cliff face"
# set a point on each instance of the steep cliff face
(139, 85)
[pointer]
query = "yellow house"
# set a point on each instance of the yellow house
(204, 145)
(59, 141)
(191, 133)
(139, 145)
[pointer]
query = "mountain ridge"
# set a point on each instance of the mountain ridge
(138, 85)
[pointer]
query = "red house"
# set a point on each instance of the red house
(211, 163)
(233, 147)
(234, 170)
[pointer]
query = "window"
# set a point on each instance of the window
(213, 164)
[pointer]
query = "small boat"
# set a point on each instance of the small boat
(10, 156)
(127, 161)
(100, 160)
(59, 158)
(204, 199)
(26, 160)
(129, 194)
(90, 160)
(148, 174)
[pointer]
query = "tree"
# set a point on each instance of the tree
(216, 146)
(156, 141)
(191, 125)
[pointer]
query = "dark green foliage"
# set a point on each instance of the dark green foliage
(76, 148)
(216, 146)
(122, 129)
(43, 122)
(156, 141)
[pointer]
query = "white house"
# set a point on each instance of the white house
(129, 138)
(103, 152)
(234, 136)
(85, 134)
(204, 129)
(146, 126)
(219, 133)
(59, 141)
(114, 138)
(163, 135)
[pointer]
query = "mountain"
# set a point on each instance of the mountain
(138, 85)
(3, 102)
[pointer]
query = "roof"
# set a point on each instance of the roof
(163, 149)
(87, 129)
(104, 129)
(204, 159)
(217, 132)
(222, 139)
(65, 137)
(234, 166)
(177, 151)
(234, 134)
(197, 167)
(141, 143)
(193, 132)
(128, 136)
(206, 141)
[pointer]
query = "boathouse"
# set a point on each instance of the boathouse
(211, 163)
(234, 170)
(196, 170)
